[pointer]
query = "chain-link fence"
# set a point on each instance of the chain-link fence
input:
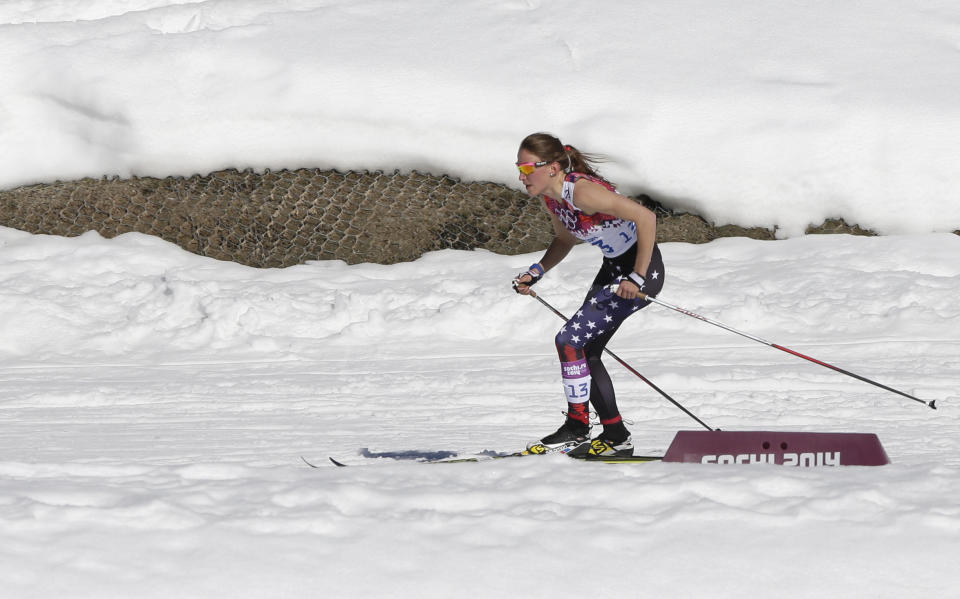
(282, 218)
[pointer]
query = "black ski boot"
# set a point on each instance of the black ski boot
(615, 440)
(572, 433)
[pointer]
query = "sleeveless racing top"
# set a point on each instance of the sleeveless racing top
(613, 235)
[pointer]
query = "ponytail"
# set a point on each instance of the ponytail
(548, 147)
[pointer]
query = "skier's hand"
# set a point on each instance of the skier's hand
(523, 281)
(630, 286)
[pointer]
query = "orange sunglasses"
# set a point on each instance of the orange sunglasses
(527, 168)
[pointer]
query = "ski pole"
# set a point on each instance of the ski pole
(534, 295)
(651, 298)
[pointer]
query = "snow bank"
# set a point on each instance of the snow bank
(738, 111)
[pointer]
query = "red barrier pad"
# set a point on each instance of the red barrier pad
(785, 448)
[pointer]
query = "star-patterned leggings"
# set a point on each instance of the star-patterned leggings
(581, 341)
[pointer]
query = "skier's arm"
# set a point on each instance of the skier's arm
(592, 197)
(563, 242)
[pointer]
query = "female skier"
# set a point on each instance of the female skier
(586, 207)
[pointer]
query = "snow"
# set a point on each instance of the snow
(155, 404)
(745, 112)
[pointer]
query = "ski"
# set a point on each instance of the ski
(619, 459)
(612, 459)
(447, 460)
